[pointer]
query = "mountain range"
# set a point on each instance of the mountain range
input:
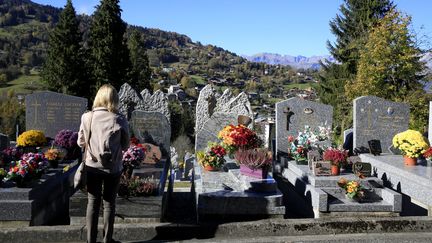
(293, 61)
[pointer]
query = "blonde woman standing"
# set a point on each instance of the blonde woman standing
(108, 134)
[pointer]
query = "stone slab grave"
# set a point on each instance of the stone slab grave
(322, 197)
(292, 115)
(51, 112)
(413, 181)
(380, 119)
(231, 196)
(153, 131)
(45, 203)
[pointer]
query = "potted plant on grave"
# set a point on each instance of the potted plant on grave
(27, 169)
(238, 137)
(254, 162)
(29, 140)
(54, 155)
(132, 158)
(354, 191)
(337, 158)
(213, 158)
(67, 139)
(10, 154)
(412, 144)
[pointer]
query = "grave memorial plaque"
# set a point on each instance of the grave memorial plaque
(51, 112)
(376, 118)
(362, 169)
(321, 168)
(313, 156)
(151, 127)
(375, 147)
(292, 115)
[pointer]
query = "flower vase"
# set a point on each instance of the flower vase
(260, 173)
(354, 199)
(335, 170)
(211, 168)
(23, 182)
(410, 161)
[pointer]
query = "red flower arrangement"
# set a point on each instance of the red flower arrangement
(213, 156)
(335, 156)
(428, 153)
(235, 137)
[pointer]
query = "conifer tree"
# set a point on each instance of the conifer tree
(351, 28)
(109, 55)
(140, 70)
(64, 70)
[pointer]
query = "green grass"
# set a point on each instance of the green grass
(198, 79)
(299, 86)
(25, 84)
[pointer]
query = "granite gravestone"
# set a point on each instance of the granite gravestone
(152, 127)
(211, 128)
(51, 112)
(377, 118)
(210, 101)
(294, 114)
(4, 141)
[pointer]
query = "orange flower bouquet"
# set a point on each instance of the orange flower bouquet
(238, 137)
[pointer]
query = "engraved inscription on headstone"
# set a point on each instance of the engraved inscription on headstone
(152, 127)
(292, 115)
(51, 112)
(376, 118)
(288, 113)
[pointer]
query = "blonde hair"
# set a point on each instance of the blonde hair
(107, 97)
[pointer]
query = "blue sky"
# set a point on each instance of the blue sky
(293, 27)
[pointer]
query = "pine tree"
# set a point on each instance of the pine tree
(140, 72)
(64, 70)
(351, 28)
(109, 55)
(390, 66)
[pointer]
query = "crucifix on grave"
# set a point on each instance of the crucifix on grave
(36, 105)
(288, 113)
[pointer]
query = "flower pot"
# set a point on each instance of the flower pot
(410, 161)
(256, 173)
(211, 168)
(335, 170)
(354, 199)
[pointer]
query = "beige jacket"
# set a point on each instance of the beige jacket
(103, 124)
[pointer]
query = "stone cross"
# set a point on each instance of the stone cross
(288, 113)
